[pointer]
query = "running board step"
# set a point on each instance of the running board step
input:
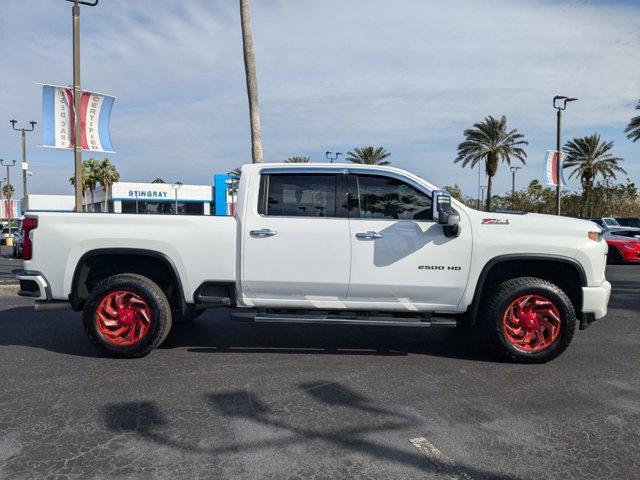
(310, 319)
(209, 300)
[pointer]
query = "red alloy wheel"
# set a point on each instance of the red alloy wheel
(123, 318)
(531, 323)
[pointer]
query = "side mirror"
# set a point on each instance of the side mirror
(444, 214)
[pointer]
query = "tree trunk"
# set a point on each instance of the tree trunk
(92, 204)
(491, 167)
(106, 200)
(489, 184)
(252, 82)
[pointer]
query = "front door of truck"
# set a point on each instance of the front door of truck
(400, 257)
(296, 250)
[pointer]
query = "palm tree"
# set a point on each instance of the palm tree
(8, 190)
(234, 180)
(590, 157)
(252, 82)
(106, 175)
(89, 178)
(633, 129)
(369, 156)
(298, 160)
(491, 141)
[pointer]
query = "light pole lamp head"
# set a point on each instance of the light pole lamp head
(560, 101)
(13, 123)
(89, 4)
(33, 124)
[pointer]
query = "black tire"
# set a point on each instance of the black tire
(150, 292)
(189, 316)
(614, 256)
(497, 300)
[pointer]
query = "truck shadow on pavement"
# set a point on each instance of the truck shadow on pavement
(342, 419)
(213, 332)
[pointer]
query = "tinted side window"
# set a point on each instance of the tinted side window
(385, 197)
(294, 195)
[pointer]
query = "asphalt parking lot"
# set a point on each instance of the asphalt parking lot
(227, 400)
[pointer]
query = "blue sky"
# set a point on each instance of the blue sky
(409, 75)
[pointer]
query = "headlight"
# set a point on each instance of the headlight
(595, 236)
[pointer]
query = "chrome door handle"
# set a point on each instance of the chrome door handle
(263, 232)
(369, 235)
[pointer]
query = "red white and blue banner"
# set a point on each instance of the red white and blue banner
(58, 121)
(10, 208)
(551, 169)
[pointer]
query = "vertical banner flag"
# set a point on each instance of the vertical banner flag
(58, 121)
(551, 169)
(9, 209)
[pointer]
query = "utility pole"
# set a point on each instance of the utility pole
(25, 165)
(77, 98)
(560, 104)
(514, 170)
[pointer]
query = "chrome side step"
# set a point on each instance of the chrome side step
(327, 319)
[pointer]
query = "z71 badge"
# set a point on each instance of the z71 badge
(495, 221)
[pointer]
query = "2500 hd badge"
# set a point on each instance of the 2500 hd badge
(439, 267)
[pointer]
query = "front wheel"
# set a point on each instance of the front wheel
(614, 256)
(127, 316)
(528, 320)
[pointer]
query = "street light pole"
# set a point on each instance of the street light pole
(25, 165)
(8, 165)
(77, 98)
(176, 186)
(514, 170)
(560, 104)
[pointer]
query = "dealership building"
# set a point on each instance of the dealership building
(147, 198)
(153, 198)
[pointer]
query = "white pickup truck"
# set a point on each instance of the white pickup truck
(328, 244)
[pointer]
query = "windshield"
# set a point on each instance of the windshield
(611, 222)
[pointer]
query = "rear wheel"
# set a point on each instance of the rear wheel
(528, 319)
(127, 316)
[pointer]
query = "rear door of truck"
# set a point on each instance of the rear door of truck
(295, 234)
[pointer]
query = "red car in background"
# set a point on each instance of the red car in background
(624, 247)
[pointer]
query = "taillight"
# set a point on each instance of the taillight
(28, 224)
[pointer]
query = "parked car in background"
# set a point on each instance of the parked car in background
(623, 248)
(6, 233)
(629, 221)
(605, 222)
(17, 244)
(626, 232)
